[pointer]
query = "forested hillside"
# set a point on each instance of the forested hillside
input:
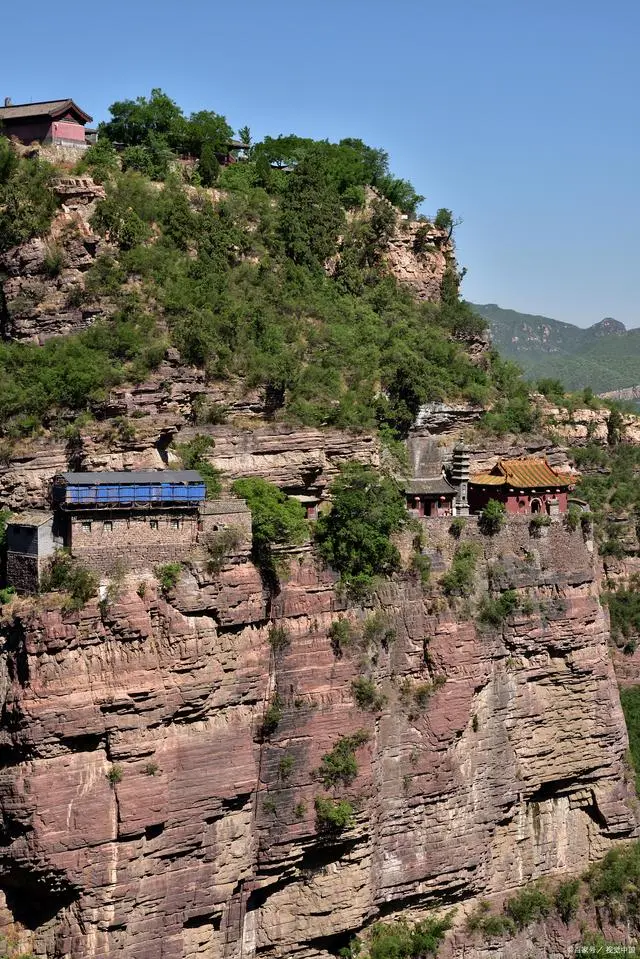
(605, 356)
(271, 268)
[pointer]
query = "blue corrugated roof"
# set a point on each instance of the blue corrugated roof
(131, 477)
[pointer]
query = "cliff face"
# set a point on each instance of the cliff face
(43, 294)
(147, 813)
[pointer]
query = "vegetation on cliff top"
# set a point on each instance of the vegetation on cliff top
(243, 287)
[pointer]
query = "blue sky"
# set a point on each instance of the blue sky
(520, 116)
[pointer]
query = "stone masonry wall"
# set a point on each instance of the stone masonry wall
(139, 541)
(23, 572)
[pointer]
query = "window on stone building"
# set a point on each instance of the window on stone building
(153, 523)
(86, 525)
(107, 526)
(176, 522)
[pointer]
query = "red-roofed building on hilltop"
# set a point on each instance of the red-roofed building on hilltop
(523, 485)
(60, 122)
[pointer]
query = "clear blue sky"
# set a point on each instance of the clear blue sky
(520, 116)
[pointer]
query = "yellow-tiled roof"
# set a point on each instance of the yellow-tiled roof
(531, 473)
(487, 479)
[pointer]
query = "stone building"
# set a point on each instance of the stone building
(231, 513)
(59, 122)
(31, 542)
(132, 520)
(527, 485)
(135, 519)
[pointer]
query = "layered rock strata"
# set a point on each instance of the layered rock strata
(154, 806)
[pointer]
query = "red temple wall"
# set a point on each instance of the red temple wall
(67, 130)
(515, 503)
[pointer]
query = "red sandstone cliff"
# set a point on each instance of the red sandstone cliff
(201, 846)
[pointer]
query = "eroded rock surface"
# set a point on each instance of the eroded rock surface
(141, 794)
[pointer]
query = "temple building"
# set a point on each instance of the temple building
(525, 486)
(429, 492)
(60, 122)
(430, 497)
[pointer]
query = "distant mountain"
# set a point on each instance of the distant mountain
(605, 356)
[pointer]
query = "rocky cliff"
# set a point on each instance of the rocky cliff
(153, 807)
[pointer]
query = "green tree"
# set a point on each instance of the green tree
(27, 202)
(9, 161)
(132, 121)
(354, 537)
(492, 518)
(444, 220)
(615, 427)
(311, 217)
(152, 157)
(203, 128)
(194, 457)
(276, 519)
(283, 151)
(101, 159)
(208, 165)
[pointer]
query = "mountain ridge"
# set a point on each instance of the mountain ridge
(604, 356)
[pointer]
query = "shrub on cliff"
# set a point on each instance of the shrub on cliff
(367, 695)
(495, 611)
(67, 574)
(630, 700)
(27, 202)
(100, 160)
(276, 520)
(615, 882)
(458, 581)
(194, 457)
(566, 899)
(74, 372)
(539, 522)
(404, 940)
(340, 765)
(168, 576)
(9, 950)
(492, 518)
(624, 610)
(528, 905)
(353, 538)
(272, 716)
(332, 817)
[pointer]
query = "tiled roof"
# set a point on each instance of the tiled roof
(529, 473)
(19, 111)
(487, 479)
(434, 487)
(35, 518)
